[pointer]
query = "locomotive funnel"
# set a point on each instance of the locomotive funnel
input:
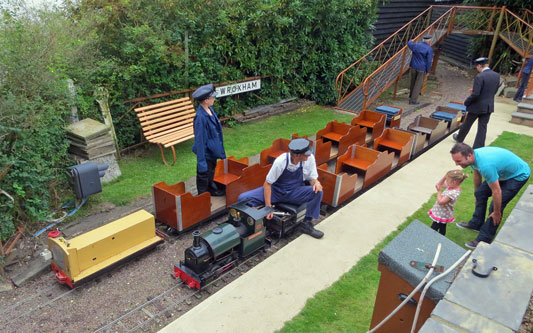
(196, 241)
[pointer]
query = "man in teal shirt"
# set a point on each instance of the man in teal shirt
(504, 175)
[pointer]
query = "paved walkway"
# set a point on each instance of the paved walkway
(276, 290)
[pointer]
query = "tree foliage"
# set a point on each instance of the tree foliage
(139, 48)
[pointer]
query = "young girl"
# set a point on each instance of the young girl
(442, 212)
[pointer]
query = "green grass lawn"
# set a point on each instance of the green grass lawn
(348, 304)
(143, 168)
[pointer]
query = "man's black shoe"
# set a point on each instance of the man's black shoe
(217, 193)
(306, 227)
(465, 225)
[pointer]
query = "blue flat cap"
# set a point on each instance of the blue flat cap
(300, 146)
(204, 92)
(481, 61)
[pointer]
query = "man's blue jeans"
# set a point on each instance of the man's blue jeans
(487, 230)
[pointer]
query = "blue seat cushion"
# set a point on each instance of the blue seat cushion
(457, 106)
(440, 115)
(388, 110)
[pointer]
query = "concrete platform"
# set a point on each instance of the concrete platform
(278, 287)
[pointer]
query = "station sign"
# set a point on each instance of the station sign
(238, 88)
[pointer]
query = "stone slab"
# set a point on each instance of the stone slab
(525, 202)
(509, 92)
(87, 129)
(5, 285)
(525, 107)
(526, 116)
(100, 140)
(36, 267)
(419, 242)
(451, 315)
(520, 120)
(433, 326)
(93, 152)
(503, 296)
(517, 231)
(511, 80)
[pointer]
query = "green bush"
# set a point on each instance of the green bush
(137, 48)
(36, 55)
(169, 45)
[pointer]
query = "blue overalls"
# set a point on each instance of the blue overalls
(288, 188)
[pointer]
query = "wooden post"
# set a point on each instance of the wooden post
(496, 33)
(435, 59)
(102, 97)
(73, 109)
(451, 21)
(186, 41)
(401, 72)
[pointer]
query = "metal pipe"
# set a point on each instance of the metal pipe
(424, 280)
(435, 279)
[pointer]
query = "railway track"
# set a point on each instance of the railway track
(159, 309)
(35, 302)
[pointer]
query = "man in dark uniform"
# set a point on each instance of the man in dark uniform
(285, 183)
(480, 103)
(421, 60)
(208, 141)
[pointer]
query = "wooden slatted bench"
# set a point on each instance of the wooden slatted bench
(167, 123)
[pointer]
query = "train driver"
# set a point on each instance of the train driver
(285, 182)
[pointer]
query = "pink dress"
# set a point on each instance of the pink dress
(444, 213)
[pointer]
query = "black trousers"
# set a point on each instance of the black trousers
(482, 121)
(487, 229)
(440, 227)
(523, 84)
(204, 180)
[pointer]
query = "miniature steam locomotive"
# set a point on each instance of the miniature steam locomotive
(246, 231)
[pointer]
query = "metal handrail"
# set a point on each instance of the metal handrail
(466, 19)
(385, 67)
(513, 24)
(339, 81)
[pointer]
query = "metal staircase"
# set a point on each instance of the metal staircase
(365, 80)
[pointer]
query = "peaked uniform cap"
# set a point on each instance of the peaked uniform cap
(481, 61)
(204, 92)
(300, 146)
